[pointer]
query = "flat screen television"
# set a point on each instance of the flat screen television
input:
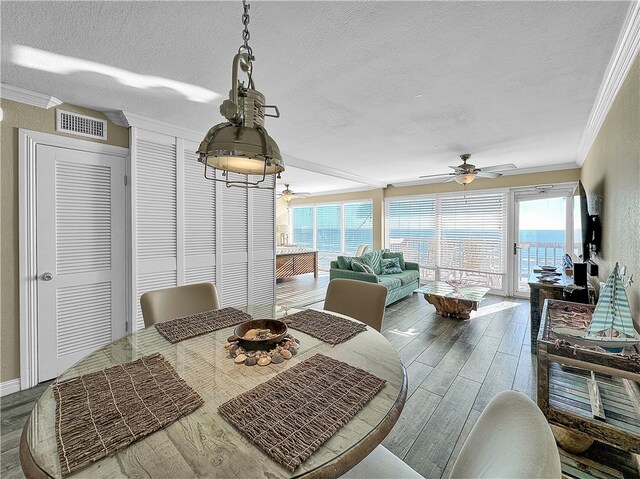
(587, 230)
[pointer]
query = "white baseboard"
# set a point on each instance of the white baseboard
(9, 387)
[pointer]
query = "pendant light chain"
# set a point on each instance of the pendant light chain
(245, 37)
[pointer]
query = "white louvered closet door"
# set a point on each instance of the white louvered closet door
(199, 220)
(80, 255)
(156, 214)
(262, 248)
(234, 222)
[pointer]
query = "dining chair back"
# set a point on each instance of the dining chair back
(165, 304)
(358, 299)
(362, 249)
(510, 439)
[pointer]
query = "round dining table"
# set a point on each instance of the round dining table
(203, 443)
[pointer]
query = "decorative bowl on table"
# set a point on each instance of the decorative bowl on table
(548, 268)
(260, 334)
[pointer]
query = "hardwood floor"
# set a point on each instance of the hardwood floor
(454, 368)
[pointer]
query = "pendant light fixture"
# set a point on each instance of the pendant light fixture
(242, 145)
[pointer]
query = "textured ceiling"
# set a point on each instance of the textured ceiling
(384, 90)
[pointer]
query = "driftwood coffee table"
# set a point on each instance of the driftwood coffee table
(453, 302)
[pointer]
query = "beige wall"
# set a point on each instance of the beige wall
(378, 195)
(18, 115)
(611, 177)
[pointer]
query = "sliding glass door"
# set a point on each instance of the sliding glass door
(543, 233)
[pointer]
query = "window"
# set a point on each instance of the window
(302, 220)
(451, 237)
(332, 229)
(358, 226)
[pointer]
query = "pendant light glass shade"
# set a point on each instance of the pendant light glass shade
(242, 149)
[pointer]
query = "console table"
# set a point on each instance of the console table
(574, 380)
(539, 291)
(295, 261)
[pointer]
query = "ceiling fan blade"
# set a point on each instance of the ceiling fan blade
(450, 180)
(487, 174)
(441, 175)
(506, 166)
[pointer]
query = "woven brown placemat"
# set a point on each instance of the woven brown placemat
(193, 325)
(291, 415)
(326, 327)
(100, 413)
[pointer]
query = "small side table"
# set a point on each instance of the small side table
(563, 374)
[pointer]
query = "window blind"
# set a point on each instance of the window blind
(329, 228)
(302, 226)
(333, 228)
(358, 226)
(411, 229)
(459, 237)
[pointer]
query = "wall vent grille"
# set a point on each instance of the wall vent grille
(81, 125)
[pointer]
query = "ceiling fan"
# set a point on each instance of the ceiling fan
(287, 194)
(466, 172)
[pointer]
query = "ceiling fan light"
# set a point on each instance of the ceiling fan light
(464, 178)
(287, 196)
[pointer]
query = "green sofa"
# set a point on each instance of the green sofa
(398, 284)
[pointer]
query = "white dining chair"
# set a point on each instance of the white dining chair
(381, 464)
(170, 303)
(362, 249)
(358, 299)
(510, 439)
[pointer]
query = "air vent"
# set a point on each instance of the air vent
(81, 125)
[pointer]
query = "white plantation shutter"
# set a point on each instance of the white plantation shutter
(262, 250)
(189, 229)
(234, 219)
(199, 221)
(156, 214)
(457, 237)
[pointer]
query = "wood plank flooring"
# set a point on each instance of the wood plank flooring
(454, 369)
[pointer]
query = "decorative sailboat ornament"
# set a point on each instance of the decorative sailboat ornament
(611, 324)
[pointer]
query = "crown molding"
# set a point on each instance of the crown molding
(624, 54)
(14, 93)
(128, 120)
(517, 171)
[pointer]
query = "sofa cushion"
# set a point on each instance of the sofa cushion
(405, 277)
(391, 266)
(400, 255)
(361, 266)
(374, 259)
(390, 281)
(344, 262)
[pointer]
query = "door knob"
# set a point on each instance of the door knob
(47, 276)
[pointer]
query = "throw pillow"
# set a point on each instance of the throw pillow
(391, 266)
(388, 254)
(361, 267)
(344, 262)
(374, 259)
